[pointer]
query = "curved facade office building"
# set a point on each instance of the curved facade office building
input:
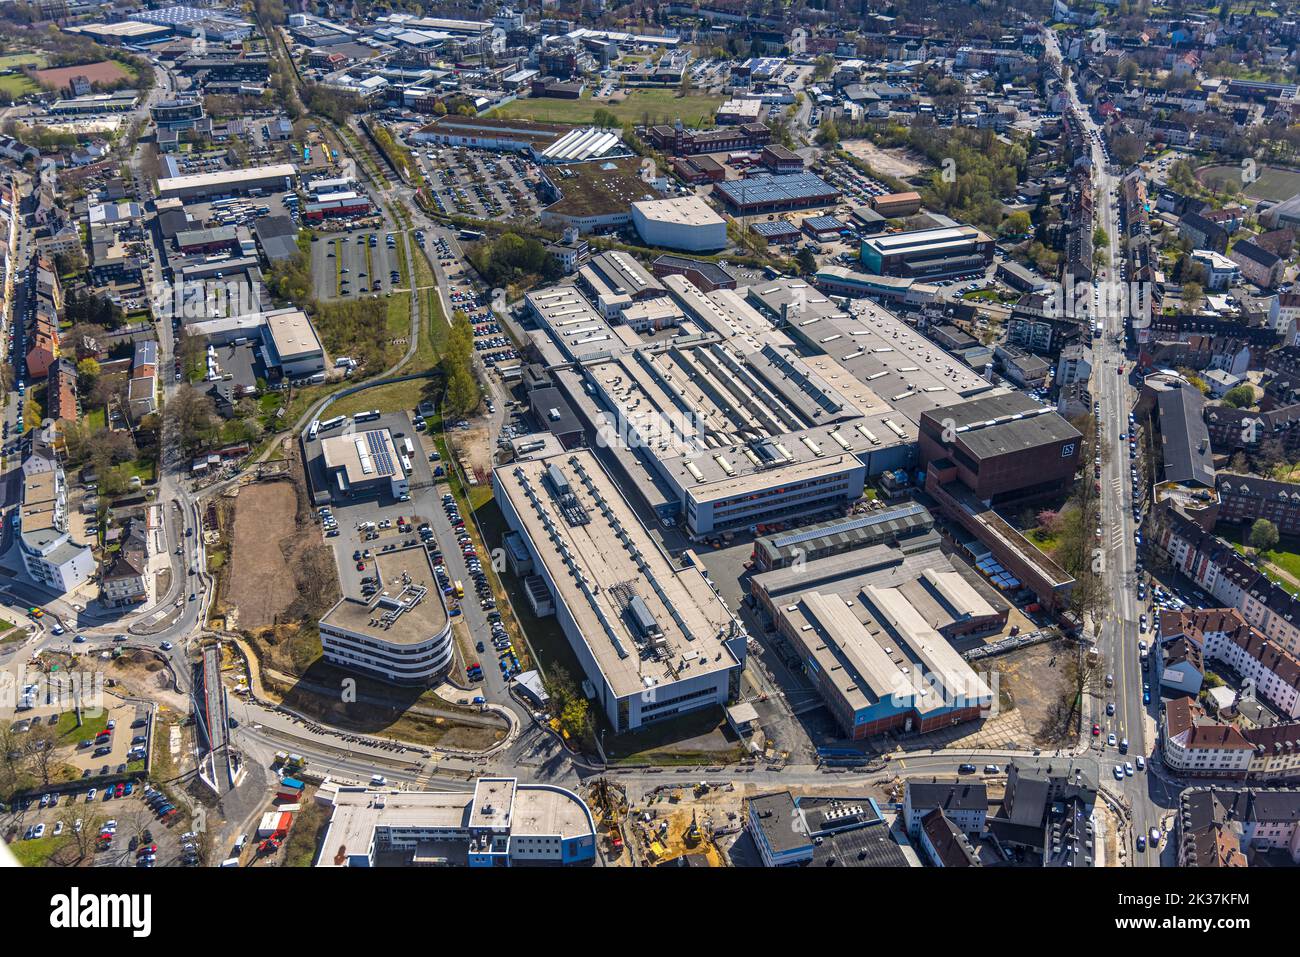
(400, 634)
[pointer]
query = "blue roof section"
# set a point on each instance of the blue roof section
(822, 224)
(768, 188)
(777, 227)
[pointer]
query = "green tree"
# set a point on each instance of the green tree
(87, 374)
(1242, 397)
(807, 261)
(1016, 224)
(1100, 238)
(1263, 535)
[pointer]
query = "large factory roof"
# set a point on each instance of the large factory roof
(646, 622)
(869, 618)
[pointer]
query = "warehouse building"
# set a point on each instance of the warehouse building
(771, 193)
(499, 824)
(402, 634)
(294, 344)
(944, 251)
(687, 223)
(896, 205)
(228, 182)
(810, 542)
(872, 628)
(653, 640)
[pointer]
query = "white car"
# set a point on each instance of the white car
(1128, 768)
(1110, 740)
(1119, 773)
(58, 828)
(38, 831)
(1141, 763)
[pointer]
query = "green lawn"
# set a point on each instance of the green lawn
(12, 61)
(1285, 557)
(96, 419)
(68, 728)
(661, 105)
(397, 397)
(37, 853)
(14, 86)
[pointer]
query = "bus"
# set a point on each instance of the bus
(409, 446)
(313, 429)
(471, 234)
(333, 423)
(460, 590)
(366, 416)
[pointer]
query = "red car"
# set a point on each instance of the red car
(361, 566)
(147, 849)
(119, 790)
(1096, 730)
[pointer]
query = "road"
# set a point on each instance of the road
(1117, 630)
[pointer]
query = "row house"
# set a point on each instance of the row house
(1245, 498)
(1195, 745)
(1220, 571)
(1225, 636)
(1217, 826)
(1243, 430)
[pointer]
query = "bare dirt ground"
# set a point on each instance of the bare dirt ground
(140, 673)
(473, 448)
(1034, 681)
(279, 570)
(261, 585)
(891, 162)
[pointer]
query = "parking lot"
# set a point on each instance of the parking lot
(353, 518)
(350, 265)
(481, 184)
(111, 739)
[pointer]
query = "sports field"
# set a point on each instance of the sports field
(661, 106)
(1274, 183)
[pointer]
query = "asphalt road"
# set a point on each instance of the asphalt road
(1118, 634)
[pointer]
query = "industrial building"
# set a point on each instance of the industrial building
(810, 542)
(872, 628)
(943, 251)
(500, 823)
(227, 182)
(728, 426)
(997, 449)
(402, 634)
(653, 640)
(1003, 446)
(296, 348)
(686, 223)
(772, 193)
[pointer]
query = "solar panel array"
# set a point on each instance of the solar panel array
(378, 448)
(791, 187)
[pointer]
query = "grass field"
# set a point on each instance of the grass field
(14, 86)
(12, 61)
(661, 105)
(1274, 183)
